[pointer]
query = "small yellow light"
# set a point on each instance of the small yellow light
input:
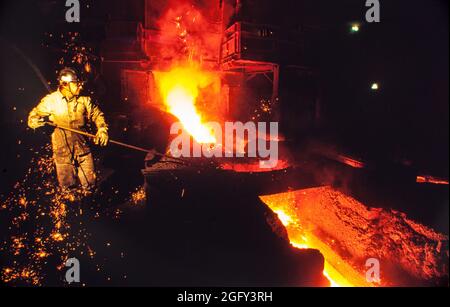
(375, 86)
(355, 28)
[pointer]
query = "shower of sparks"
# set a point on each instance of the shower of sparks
(39, 228)
(71, 51)
(138, 197)
(45, 226)
(264, 109)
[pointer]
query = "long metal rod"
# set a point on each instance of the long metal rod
(116, 142)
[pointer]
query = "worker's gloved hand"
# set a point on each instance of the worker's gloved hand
(37, 122)
(101, 138)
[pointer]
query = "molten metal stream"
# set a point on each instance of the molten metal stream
(180, 88)
(337, 270)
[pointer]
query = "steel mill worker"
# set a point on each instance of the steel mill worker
(71, 153)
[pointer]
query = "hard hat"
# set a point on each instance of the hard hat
(67, 75)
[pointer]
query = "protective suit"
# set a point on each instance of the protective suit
(71, 153)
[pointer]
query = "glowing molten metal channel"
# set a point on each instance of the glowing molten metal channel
(180, 89)
(305, 241)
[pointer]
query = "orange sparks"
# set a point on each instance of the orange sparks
(26, 274)
(42, 254)
(17, 245)
(57, 236)
(138, 196)
(23, 201)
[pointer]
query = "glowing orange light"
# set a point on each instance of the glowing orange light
(284, 218)
(306, 241)
(57, 236)
(180, 89)
(42, 254)
(431, 179)
(350, 161)
(138, 196)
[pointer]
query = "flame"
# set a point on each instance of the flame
(180, 89)
(192, 34)
(194, 42)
